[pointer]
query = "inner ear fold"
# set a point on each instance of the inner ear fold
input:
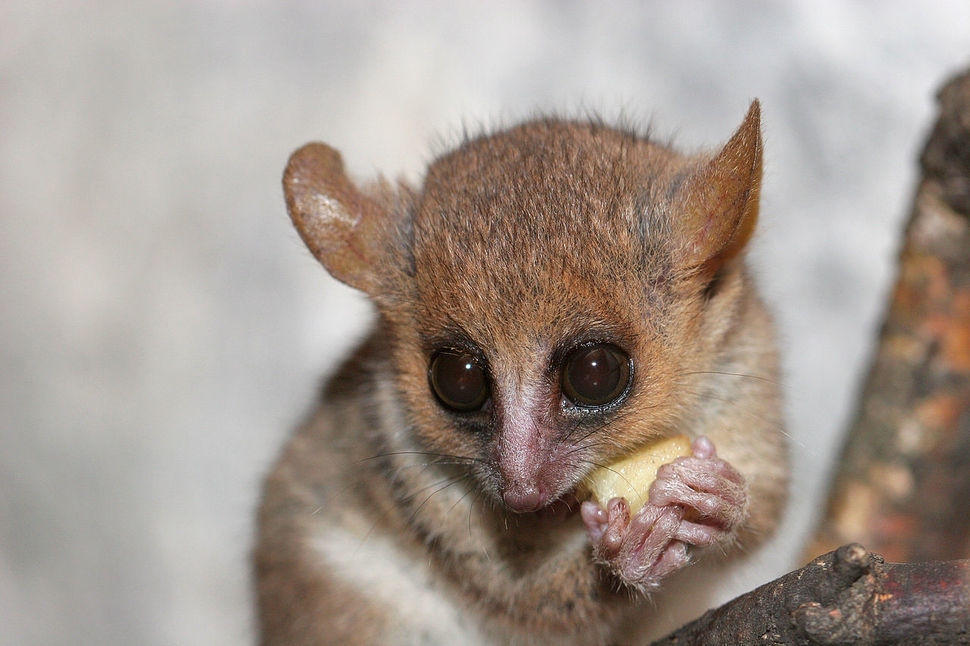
(342, 226)
(716, 207)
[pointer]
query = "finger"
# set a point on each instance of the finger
(673, 558)
(698, 534)
(618, 512)
(595, 518)
(703, 448)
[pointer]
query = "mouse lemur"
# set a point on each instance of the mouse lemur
(551, 299)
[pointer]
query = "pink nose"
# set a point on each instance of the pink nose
(522, 498)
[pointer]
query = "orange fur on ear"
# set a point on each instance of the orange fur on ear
(718, 205)
(338, 223)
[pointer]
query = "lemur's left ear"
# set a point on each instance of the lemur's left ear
(716, 208)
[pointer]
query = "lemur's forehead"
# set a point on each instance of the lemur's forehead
(529, 274)
(524, 299)
(546, 193)
(545, 228)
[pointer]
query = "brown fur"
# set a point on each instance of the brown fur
(518, 246)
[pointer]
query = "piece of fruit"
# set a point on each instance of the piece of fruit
(630, 476)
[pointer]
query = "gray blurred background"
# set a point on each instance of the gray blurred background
(162, 327)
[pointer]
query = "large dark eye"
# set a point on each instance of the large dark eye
(595, 375)
(458, 381)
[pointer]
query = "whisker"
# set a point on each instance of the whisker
(408, 497)
(617, 418)
(442, 484)
(431, 454)
(602, 440)
(729, 374)
(447, 483)
(471, 507)
(425, 465)
(463, 496)
(761, 418)
(611, 470)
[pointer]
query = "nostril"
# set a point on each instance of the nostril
(523, 498)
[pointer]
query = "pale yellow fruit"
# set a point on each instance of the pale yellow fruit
(630, 477)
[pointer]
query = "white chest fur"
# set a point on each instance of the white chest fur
(423, 613)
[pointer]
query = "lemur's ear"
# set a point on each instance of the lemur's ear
(716, 208)
(341, 225)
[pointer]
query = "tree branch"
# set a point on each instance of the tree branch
(903, 484)
(848, 596)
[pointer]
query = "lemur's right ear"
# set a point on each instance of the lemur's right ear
(341, 225)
